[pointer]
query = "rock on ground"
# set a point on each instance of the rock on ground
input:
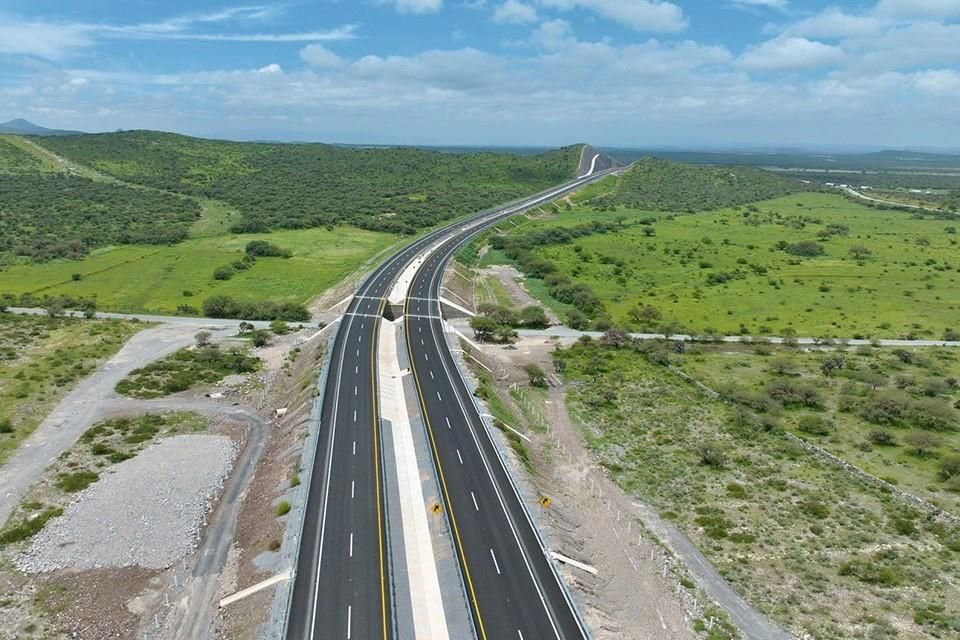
(146, 511)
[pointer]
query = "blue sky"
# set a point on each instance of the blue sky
(732, 73)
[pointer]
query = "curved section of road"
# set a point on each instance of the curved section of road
(513, 588)
(342, 586)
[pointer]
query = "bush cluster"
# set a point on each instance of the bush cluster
(185, 369)
(227, 307)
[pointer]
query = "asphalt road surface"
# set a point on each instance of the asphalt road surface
(342, 586)
(513, 589)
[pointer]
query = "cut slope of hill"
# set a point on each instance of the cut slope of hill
(310, 185)
(659, 185)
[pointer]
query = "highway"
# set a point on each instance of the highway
(513, 589)
(342, 586)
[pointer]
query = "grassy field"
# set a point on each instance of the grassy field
(142, 279)
(723, 272)
(801, 539)
(40, 361)
(841, 413)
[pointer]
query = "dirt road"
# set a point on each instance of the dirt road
(82, 406)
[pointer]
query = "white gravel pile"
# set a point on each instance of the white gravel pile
(147, 511)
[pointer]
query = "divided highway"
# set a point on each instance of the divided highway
(342, 585)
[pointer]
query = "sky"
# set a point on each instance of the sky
(616, 73)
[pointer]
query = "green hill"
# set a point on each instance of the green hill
(291, 186)
(659, 185)
(48, 212)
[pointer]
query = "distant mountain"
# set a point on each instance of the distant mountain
(25, 127)
(913, 156)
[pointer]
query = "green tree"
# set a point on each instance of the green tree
(536, 375)
(484, 328)
(922, 442)
(534, 317)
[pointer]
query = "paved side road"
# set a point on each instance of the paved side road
(76, 412)
(559, 331)
(199, 323)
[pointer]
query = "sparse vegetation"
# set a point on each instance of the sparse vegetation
(105, 443)
(41, 359)
(186, 369)
(800, 538)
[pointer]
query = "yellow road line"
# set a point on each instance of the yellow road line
(376, 464)
(443, 482)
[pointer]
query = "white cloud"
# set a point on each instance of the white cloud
(553, 34)
(834, 23)
(640, 15)
(918, 8)
(317, 55)
(515, 12)
(51, 41)
(790, 54)
(414, 6)
(779, 5)
(938, 81)
(272, 68)
(56, 41)
(902, 47)
(346, 32)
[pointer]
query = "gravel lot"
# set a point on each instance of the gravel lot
(146, 512)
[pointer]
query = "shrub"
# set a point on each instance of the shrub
(921, 442)
(279, 327)
(886, 407)
(880, 570)
(27, 528)
(226, 307)
(536, 375)
(6, 425)
(534, 317)
(77, 481)
(712, 454)
(283, 508)
(933, 413)
(814, 425)
(262, 248)
(223, 273)
(806, 249)
(792, 393)
(260, 338)
(882, 438)
(815, 509)
(949, 467)
(736, 490)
